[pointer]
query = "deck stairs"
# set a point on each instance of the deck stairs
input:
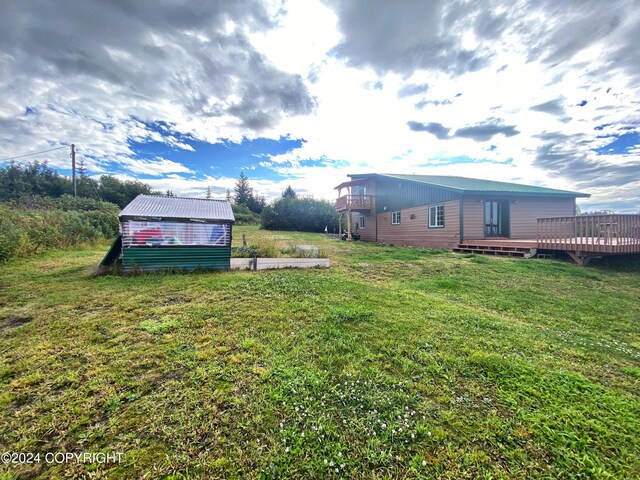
(497, 249)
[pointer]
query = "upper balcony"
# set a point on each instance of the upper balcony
(354, 202)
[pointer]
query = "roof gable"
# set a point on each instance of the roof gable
(178, 208)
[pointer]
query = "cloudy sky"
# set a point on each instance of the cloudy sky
(185, 95)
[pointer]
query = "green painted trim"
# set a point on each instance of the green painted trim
(150, 259)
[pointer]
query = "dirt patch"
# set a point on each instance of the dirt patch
(14, 321)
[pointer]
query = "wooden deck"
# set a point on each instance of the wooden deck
(582, 237)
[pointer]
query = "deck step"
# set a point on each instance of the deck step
(507, 251)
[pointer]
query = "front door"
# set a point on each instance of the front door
(496, 218)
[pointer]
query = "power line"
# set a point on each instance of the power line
(35, 153)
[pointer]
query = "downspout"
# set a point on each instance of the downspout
(461, 219)
(376, 215)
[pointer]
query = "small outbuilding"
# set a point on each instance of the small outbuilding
(159, 233)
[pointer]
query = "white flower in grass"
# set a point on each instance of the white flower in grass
(413, 435)
(424, 463)
(384, 425)
(286, 450)
(339, 454)
(342, 466)
(326, 461)
(302, 434)
(331, 464)
(429, 433)
(337, 470)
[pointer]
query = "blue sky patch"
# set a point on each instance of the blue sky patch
(222, 159)
(621, 145)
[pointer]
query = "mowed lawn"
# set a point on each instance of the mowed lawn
(393, 363)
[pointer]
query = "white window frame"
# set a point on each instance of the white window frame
(396, 218)
(361, 222)
(436, 224)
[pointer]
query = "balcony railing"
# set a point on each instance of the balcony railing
(354, 202)
(591, 233)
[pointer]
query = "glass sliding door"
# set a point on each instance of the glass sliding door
(496, 218)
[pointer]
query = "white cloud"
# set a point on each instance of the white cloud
(345, 76)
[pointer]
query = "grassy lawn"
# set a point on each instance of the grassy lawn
(393, 363)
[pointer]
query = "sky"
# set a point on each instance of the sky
(184, 95)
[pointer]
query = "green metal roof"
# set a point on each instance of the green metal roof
(478, 186)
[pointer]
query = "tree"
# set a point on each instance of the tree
(228, 195)
(256, 203)
(82, 169)
(242, 190)
(170, 193)
(209, 192)
(289, 192)
(301, 214)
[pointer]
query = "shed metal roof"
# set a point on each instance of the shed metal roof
(479, 186)
(178, 208)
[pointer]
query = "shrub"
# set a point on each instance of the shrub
(24, 232)
(244, 216)
(300, 214)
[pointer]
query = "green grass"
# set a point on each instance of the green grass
(393, 363)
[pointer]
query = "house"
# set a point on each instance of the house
(158, 233)
(445, 211)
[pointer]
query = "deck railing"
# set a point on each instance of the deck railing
(354, 202)
(606, 233)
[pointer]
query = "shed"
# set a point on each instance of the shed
(159, 232)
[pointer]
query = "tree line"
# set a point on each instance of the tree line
(31, 184)
(23, 182)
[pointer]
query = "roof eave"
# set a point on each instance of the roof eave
(157, 218)
(527, 194)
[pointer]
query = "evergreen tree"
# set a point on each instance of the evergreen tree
(242, 190)
(256, 203)
(170, 193)
(228, 196)
(209, 192)
(289, 192)
(82, 169)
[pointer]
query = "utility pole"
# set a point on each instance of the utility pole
(73, 169)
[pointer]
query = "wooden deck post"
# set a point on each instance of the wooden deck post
(340, 225)
(580, 258)
(349, 225)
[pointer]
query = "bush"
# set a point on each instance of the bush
(25, 232)
(300, 214)
(244, 216)
(262, 247)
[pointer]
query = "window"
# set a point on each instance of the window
(361, 221)
(154, 234)
(436, 216)
(395, 218)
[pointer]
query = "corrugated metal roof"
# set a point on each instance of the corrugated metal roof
(178, 208)
(475, 185)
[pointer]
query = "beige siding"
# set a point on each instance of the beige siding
(473, 221)
(416, 232)
(523, 214)
(526, 211)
